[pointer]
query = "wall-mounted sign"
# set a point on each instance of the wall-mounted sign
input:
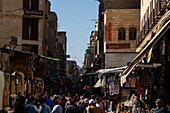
(33, 12)
(118, 46)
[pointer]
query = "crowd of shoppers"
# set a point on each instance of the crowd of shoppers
(69, 104)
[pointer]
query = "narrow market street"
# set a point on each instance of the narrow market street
(91, 56)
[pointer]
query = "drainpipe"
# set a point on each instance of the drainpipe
(43, 28)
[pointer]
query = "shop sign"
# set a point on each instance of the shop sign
(33, 12)
(118, 46)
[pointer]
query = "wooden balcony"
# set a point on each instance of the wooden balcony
(152, 19)
(165, 4)
(160, 8)
(143, 32)
(147, 26)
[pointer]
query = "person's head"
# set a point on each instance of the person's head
(81, 97)
(43, 100)
(137, 96)
(97, 99)
(70, 99)
(74, 101)
(86, 100)
(92, 97)
(19, 106)
(19, 94)
(63, 97)
(30, 95)
(32, 100)
(159, 102)
(92, 102)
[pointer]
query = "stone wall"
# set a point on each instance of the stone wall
(118, 18)
(121, 4)
(118, 59)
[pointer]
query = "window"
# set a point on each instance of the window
(132, 33)
(121, 33)
(31, 4)
(30, 29)
(34, 4)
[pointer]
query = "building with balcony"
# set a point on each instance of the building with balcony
(152, 63)
(118, 27)
(61, 50)
(24, 19)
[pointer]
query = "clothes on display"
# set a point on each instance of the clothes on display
(1, 89)
(111, 85)
(133, 82)
(116, 88)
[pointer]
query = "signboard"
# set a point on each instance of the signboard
(109, 31)
(33, 12)
(13, 40)
(118, 46)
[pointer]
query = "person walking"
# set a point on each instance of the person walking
(19, 105)
(73, 107)
(160, 106)
(98, 103)
(92, 107)
(62, 102)
(57, 109)
(49, 102)
(45, 107)
(68, 102)
(31, 108)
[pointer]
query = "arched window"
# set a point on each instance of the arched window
(132, 33)
(121, 33)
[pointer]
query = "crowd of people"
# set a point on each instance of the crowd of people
(48, 103)
(54, 104)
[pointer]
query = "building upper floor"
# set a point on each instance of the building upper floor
(120, 4)
(151, 12)
(24, 7)
(121, 28)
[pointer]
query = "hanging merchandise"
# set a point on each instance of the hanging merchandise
(1, 89)
(116, 87)
(103, 81)
(133, 82)
(140, 90)
(128, 84)
(111, 85)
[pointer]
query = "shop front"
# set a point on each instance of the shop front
(151, 66)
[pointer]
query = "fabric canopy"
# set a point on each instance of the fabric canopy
(98, 84)
(49, 58)
(146, 49)
(112, 70)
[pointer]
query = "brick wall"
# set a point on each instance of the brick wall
(126, 18)
(121, 4)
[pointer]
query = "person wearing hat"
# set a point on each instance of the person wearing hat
(92, 107)
(98, 103)
(159, 105)
(68, 102)
(73, 107)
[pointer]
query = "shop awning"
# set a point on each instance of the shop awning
(49, 58)
(98, 83)
(146, 49)
(112, 70)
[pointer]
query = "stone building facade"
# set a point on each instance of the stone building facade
(23, 19)
(61, 50)
(121, 27)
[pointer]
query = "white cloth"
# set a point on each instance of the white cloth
(99, 105)
(57, 109)
(111, 85)
(1, 89)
